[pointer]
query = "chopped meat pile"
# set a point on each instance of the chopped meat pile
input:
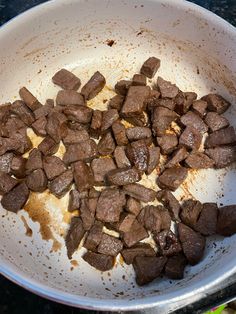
(145, 130)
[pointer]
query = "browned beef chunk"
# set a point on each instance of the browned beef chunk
(179, 155)
(192, 119)
(96, 122)
(140, 192)
(69, 97)
(44, 110)
(74, 200)
(48, 146)
(166, 88)
(125, 222)
(190, 212)
(56, 126)
(226, 222)
(193, 243)
(120, 157)
(138, 133)
(190, 138)
(74, 236)
(221, 137)
(66, 80)
(141, 249)
(165, 218)
(106, 145)
(99, 261)
(83, 175)
(215, 121)
(116, 102)
(133, 206)
(109, 206)
(18, 167)
(100, 167)
(16, 198)
(167, 143)
(170, 202)
(75, 136)
(199, 160)
(167, 243)
(73, 125)
(61, 184)
(81, 114)
(138, 154)
(123, 176)
(53, 166)
(207, 221)
(23, 112)
(5, 112)
(8, 144)
(86, 213)
(154, 158)
(5, 162)
(150, 67)
(135, 234)
(108, 117)
(31, 102)
(35, 160)
(119, 133)
(161, 120)
(200, 107)
(39, 126)
(93, 86)
(84, 151)
(135, 101)
(94, 237)
(23, 140)
(216, 103)
(137, 120)
(148, 268)
(183, 101)
(139, 80)
(109, 245)
(150, 218)
(122, 87)
(7, 183)
(223, 156)
(37, 181)
(163, 102)
(12, 125)
(175, 266)
(172, 178)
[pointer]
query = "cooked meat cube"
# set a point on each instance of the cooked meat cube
(216, 121)
(43, 111)
(141, 249)
(148, 268)
(175, 266)
(87, 214)
(108, 117)
(99, 261)
(170, 202)
(162, 102)
(106, 145)
(122, 87)
(7, 183)
(192, 119)
(56, 126)
(165, 217)
(37, 181)
(75, 136)
(172, 178)
(18, 167)
(223, 156)
(137, 120)
(74, 200)
(123, 176)
(94, 237)
(85, 151)
(126, 222)
(154, 157)
(5, 112)
(15, 199)
(138, 133)
(161, 120)
(66, 80)
(190, 212)
(109, 245)
(23, 112)
(35, 160)
(93, 200)
(221, 137)
(23, 141)
(135, 234)
(134, 103)
(183, 101)
(199, 160)
(31, 102)
(193, 243)
(216, 103)
(109, 206)
(133, 206)
(12, 125)
(48, 146)
(167, 143)
(140, 192)
(207, 221)
(76, 126)
(119, 133)
(150, 67)
(69, 97)
(5, 162)
(166, 88)
(167, 243)
(139, 80)
(39, 126)
(200, 107)
(7, 144)
(53, 166)
(179, 155)
(93, 86)
(138, 154)
(74, 236)
(81, 114)
(83, 175)
(116, 102)
(96, 121)
(150, 218)
(61, 184)
(191, 138)
(120, 157)
(100, 167)
(226, 222)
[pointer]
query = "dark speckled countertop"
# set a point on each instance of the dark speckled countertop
(15, 300)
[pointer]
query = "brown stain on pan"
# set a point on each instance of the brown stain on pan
(28, 230)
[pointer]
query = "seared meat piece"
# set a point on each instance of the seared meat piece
(18, 167)
(207, 221)
(141, 249)
(223, 156)
(12, 125)
(87, 213)
(94, 237)
(135, 234)
(175, 266)
(61, 184)
(138, 120)
(7, 183)
(106, 145)
(135, 101)
(167, 243)
(183, 102)
(160, 102)
(116, 102)
(172, 178)
(15, 199)
(190, 138)
(48, 146)
(138, 133)
(190, 212)
(83, 175)
(108, 117)
(123, 176)
(138, 154)
(150, 67)
(122, 87)
(8, 144)
(100, 167)
(226, 222)
(191, 119)
(5, 112)
(99, 261)
(76, 113)
(161, 120)
(216, 103)
(74, 236)
(109, 245)
(74, 200)
(221, 137)
(96, 122)
(84, 151)
(119, 133)
(154, 157)
(140, 192)
(5, 162)
(167, 143)
(23, 141)
(170, 202)
(66, 80)
(31, 102)
(216, 121)
(37, 181)
(69, 97)
(139, 80)
(35, 160)
(199, 160)
(166, 88)
(93, 86)
(53, 166)
(125, 222)
(23, 112)
(120, 157)
(179, 155)
(39, 126)
(44, 110)
(75, 136)
(133, 206)
(200, 107)
(150, 218)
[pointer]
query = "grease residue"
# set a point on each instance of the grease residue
(74, 263)
(28, 230)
